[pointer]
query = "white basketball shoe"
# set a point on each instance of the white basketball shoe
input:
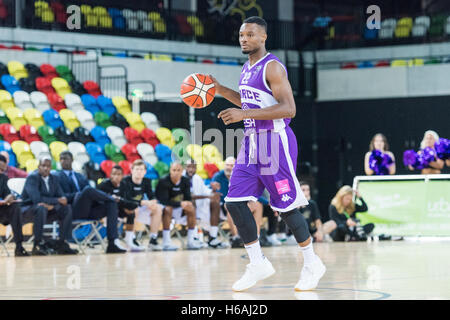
(310, 275)
(253, 274)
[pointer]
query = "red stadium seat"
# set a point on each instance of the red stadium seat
(149, 137)
(126, 166)
(3, 11)
(349, 65)
(107, 166)
(49, 71)
(132, 135)
(92, 88)
(9, 133)
(44, 85)
(184, 27)
(56, 101)
(383, 64)
(211, 169)
(130, 152)
(16, 47)
(29, 134)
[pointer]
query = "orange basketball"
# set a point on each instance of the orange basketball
(197, 90)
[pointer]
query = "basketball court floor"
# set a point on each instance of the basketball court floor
(407, 269)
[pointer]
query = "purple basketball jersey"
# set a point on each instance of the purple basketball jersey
(256, 94)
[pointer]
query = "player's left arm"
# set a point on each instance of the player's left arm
(281, 89)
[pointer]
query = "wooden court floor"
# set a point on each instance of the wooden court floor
(366, 271)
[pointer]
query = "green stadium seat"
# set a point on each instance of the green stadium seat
(113, 153)
(47, 134)
(102, 119)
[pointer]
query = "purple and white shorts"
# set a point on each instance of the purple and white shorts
(267, 159)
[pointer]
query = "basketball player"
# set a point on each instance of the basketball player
(267, 158)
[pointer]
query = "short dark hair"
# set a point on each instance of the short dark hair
(257, 20)
(117, 167)
(304, 183)
(2, 158)
(66, 153)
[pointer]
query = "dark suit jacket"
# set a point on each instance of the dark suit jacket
(68, 186)
(4, 190)
(35, 190)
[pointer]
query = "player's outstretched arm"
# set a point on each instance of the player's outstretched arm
(282, 92)
(229, 94)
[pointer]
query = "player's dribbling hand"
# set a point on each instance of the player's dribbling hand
(231, 115)
(216, 84)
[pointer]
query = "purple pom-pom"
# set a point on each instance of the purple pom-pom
(379, 162)
(429, 154)
(409, 157)
(442, 148)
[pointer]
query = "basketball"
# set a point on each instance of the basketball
(197, 90)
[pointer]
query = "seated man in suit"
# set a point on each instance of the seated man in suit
(87, 202)
(10, 212)
(42, 195)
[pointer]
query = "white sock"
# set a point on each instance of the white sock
(213, 231)
(166, 236)
(129, 237)
(153, 235)
(190, 234)
(308, 253)
(254, 253)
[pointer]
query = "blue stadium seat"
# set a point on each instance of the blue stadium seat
(90, 103)
(10, 83)
(366, 64)
(151, 172)
(163, 153)
(52, 119)
(95, 152)
(100, 136)
(106, 105)
(370, 34)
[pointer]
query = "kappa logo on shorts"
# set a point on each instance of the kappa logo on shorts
(282, 186)
(285, 198)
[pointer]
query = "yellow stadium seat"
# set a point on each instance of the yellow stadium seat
(135, 121)
(61, 87)
(99, 10)
(211, 153)
(39, 6)
(56, 147)
(201, 170)
(31, 165)
(70, 119)
(220, 165)
(33, 117)
(404, 27)
(416, 62)
(164, 136)
(122, 105)
(197, 25)
(148, 56)
(161, 57)
(85, 9)
(22, 151)
(17, 70)
(154, 16)
(160, 26)
(6, 100)
(195, 152)
(399, 63)
(91, 20)
(47, 15)
(16, 118)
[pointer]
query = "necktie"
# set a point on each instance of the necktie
(74, 179)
